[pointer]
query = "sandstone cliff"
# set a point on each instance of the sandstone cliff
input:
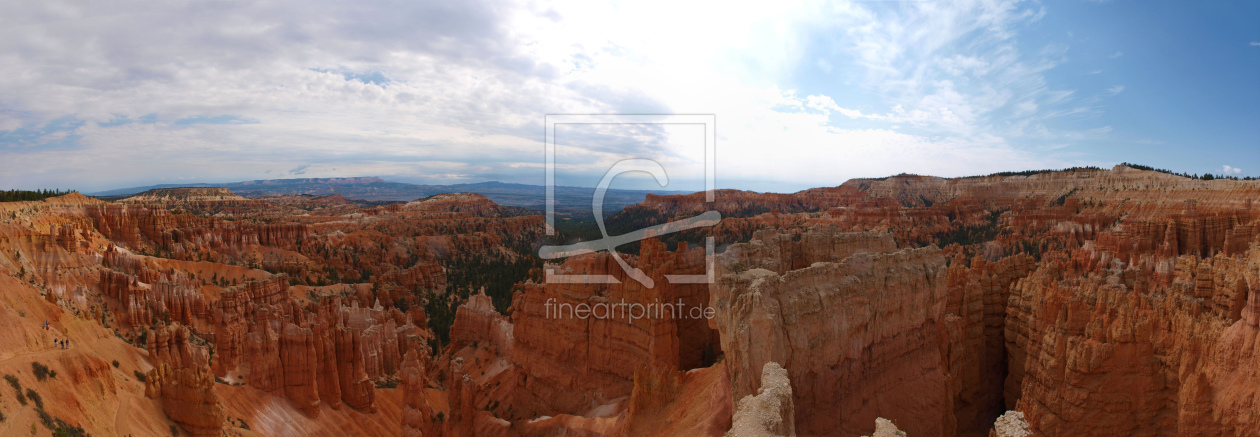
(860, 338)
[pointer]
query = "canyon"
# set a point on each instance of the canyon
(1077, 302)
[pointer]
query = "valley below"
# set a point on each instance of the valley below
(1078, 302)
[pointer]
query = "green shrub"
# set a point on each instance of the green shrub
(40, 370)
(17, 387)
(39, 401)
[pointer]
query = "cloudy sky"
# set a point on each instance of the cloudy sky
(102, 95)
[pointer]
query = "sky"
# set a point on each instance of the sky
(104, 95)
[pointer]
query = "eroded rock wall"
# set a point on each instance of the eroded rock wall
(860, 338)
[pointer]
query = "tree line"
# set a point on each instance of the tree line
(1205, 176)
(29, 195)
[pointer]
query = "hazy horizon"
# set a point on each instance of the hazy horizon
(388, 179)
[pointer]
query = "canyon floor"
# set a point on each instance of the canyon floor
(1080, 302)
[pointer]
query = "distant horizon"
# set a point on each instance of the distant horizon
(389, 179)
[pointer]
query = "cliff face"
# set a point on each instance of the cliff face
(188, 236)
(571, 361)
(860, 338)
(1093, 344)
(975, 322)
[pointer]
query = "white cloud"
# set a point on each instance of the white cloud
(1115, 89)
(1231, 171)
(1117, 55)
(458, 91)
(1255, 43)
(1096, 72)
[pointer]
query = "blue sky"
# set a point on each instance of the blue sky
(806, 94)
(1190, 74)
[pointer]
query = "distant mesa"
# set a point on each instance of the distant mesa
(474, 203)
(375, 189)
(185, 194)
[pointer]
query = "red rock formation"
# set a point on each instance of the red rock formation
(357, 390)
(462, 397)
(571, 362)
(328, 380)
(262, 344)
(654, 387)
(188, 398)
(297, 353)
(417, 414)
(1094, 301)
(318, 344)
(975, 323)
(478, 321)
(1113, 351)
(860, 338)
(170, 345)
(186, 235)
(243, 332)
